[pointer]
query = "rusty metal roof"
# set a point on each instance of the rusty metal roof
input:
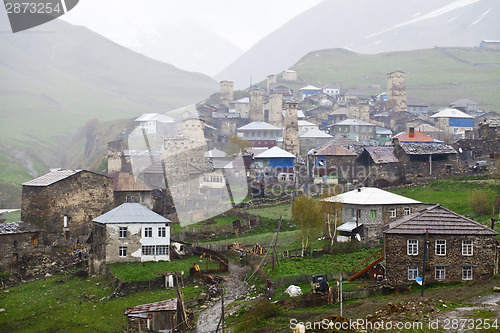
(168, 305)
(334, 149)
(124, 182)
(17, 228)
(427, 149)
(382, 155)
(437, 220)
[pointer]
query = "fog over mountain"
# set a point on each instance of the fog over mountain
(368, 26)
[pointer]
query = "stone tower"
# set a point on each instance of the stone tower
(275, 109)
(291, 130)
(272, 81)
(226, 92)
(256, 111)
(396, 91)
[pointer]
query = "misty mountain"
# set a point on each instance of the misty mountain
(57, 77)
(211, 52)
(367, 26)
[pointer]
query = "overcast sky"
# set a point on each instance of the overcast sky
(242, 22)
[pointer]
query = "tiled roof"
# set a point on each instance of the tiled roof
(382, 155)
(335, 150)
(371, 196)
(124, 182)
(52, 177)
(417, 137)
(168, 305)
(17, 228)
(131, 213)
(437, 220)
(426, 149)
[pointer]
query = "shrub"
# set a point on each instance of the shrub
(478, 202)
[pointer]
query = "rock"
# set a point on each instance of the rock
(48, 275)
(496, 289)
(2, 310)
(6, 291)
(444, 306)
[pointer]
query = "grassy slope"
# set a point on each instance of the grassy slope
(437, 76)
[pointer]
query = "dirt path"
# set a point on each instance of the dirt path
(236, 287)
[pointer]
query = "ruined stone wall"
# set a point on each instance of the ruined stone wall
(291, 131)
(80, 198)
(97, 262)
(396, 91)
(16, 248)
(397, 260)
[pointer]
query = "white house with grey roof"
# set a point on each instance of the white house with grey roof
(260, 133)
(153, 123)
(453, 121)
(373, 208)
(127, 233)
(356, 129)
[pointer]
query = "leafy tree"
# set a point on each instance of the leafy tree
(332, 213)
(237, 145)
(306, 213)
(478, 202)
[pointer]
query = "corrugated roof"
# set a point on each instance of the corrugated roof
(427, 149)
(309, 87)
(305, 123)
(371, 196)
(349, 226)
(437, 220)
(382, 155)
(258, 125)
(131, 213)
(17, 228)
(417, 137)
(275, 152)
(51, 177)
(316, 133)
(334, 149)
(168, 305)
(216, 153)
(354, 122)
(124, 182)
(383, 130)
(451, 113)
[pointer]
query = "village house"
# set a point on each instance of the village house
(18, 240)
(418, 108)
(127, 188)
(453, 122)
(356, 129)
(226, 124)
(337, 116)
(308, 91)
(373, 208)
(284, 91)
(155, 123)
(274, 165)
(383, 135)
(414, 136)
(260, 134)
(305, 126)
(331, 90)
(333, 163)
(458, 248)
(289, 75)
(465, 105)
(163, 316)
(127, 233)
(313, 139)
(380, 166)
(241, 107)
(62, 204)
(489, 128)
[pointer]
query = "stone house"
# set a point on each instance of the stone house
(465, 105)
(226, 123)
(453, 122)
(163, 316)
(261, 134)
(128, 189)
(356, 129)
(128, 233)
(284, 91)
(373, 208)
(458, 248)
(63, 203)
(379, 165)
(308, 91)
(313, 139)
(333, 163)
(17, 241)
(337, 116)
(241, 107)
(289, 75)
(274, 165)
(489, 129)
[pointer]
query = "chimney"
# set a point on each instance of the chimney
(412, 132)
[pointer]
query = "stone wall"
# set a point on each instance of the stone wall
(77, 199)
(15, 248)
(397, 260)
(443, 165)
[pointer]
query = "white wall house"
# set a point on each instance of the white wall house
(129, 232)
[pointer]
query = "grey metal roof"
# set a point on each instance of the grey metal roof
(451, 113)
(215, 153)
(427, 149)
(52, 177)
(258, 125)
(315, 133)
(131, 213)
(437, 220)
(17, 228)
(226, 115)
(370, 196)
(354, 122)
(275, 152)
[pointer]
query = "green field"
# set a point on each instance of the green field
(436, 76)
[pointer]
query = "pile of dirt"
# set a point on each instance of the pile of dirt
(413, 308)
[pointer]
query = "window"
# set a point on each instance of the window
(161, 250)
(122, 251)
(148, 250)
(128, 199)
(440, 247)
(467, 273)
(65, 221)
(412, 272)
(123, 232)
(373, 213)
(283, 177)
(162, 232)
(290, 177)
(467, 247)
(148, 232)
(440, 272)
(407, 211)
(353, 214)
(392, 212)
(412, 245)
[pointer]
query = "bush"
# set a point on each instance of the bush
(478, 202)
(258, 315)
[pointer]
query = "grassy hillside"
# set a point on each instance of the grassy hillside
(436, 76)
